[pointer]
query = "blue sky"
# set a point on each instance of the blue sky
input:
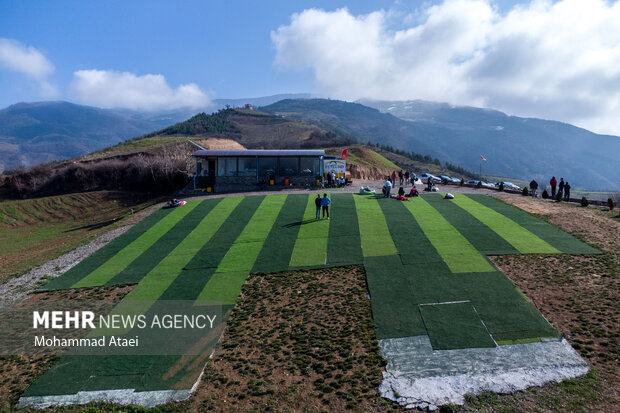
(475, 52)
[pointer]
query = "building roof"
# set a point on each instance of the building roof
(258, 152)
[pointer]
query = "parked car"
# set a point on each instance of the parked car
(482, 183)
(449, 179)
(509, 185)
(424, 178)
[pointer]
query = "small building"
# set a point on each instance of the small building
(245, 170)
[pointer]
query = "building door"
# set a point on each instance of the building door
(211, 167)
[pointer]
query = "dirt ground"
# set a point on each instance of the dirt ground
(298, 341)
(580, 296)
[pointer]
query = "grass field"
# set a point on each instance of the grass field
(424, 268)
(33, 231)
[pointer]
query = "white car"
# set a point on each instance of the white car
(482, 183)
(509, 185)
(424, 178)
(449, 179)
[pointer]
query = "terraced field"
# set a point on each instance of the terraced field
(426, 266)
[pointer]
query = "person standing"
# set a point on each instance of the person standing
(553, 182)
(393, 177)
(533, 187)
(317, 203)
(560, 194)
(406, 176)
(325, 205)
(388, 188)
(334, 178)
(400, 177)
(566, 192)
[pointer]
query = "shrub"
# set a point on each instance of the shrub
(479, 184)
(444, 181)
(610, 203)
(584, 201)
(462, 182)
(501, 187)
(545, 194)
(525, 191)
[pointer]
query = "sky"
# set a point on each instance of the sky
(548, 59)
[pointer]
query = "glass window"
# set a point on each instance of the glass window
(309, 166)
(226, 166)
(289, 166)
(267, 166)
(247, 166)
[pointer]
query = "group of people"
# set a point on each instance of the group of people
(333, 181)
(322, 204)
(387, 190)
(563, 189)
(403, 177)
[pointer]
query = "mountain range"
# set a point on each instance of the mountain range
(516, 147)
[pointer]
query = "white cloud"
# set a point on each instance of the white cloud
(556, 60)
(109, 88)
(29, 61)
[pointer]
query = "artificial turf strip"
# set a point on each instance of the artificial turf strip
(156, 281)
(278, 247)
(134, 272)
(223, 287)
(91, 263)
(394, 308)
(483, 238)
(454, 249)
(196, 274)
(311, 244)
(454, 326)
(519, 237)
(118, 262)
(561, 240)
(344, 245)
(413, 245)
(374, 232)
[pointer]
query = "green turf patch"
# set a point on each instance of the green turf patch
(483, 238)
(344, 245)
(374, 232)
(311, 244)
(413, 245)
(195, 275)
(224, 287)
(263, 219)
(519, 237)
(454, 249)
(134, 272)
(278, 248)
(393, 299)
(553, 235)
(159, 278)
(118, 262)
(92, 262)
(455, 325)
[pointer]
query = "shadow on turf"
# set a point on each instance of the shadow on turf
(299, 223)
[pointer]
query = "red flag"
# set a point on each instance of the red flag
(344, 154)
(483, 158)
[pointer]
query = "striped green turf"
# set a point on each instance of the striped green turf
(483, 238)
(519, 237)
(344, 246)
(132, 251)
(225, 284)
(374, 232)
(561, 240)
(139, 267)
(455, 250)
(278, 247)
(102, 255)
(159, 278)
(311, 244)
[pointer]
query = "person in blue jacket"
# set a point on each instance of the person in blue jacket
(325, 204)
